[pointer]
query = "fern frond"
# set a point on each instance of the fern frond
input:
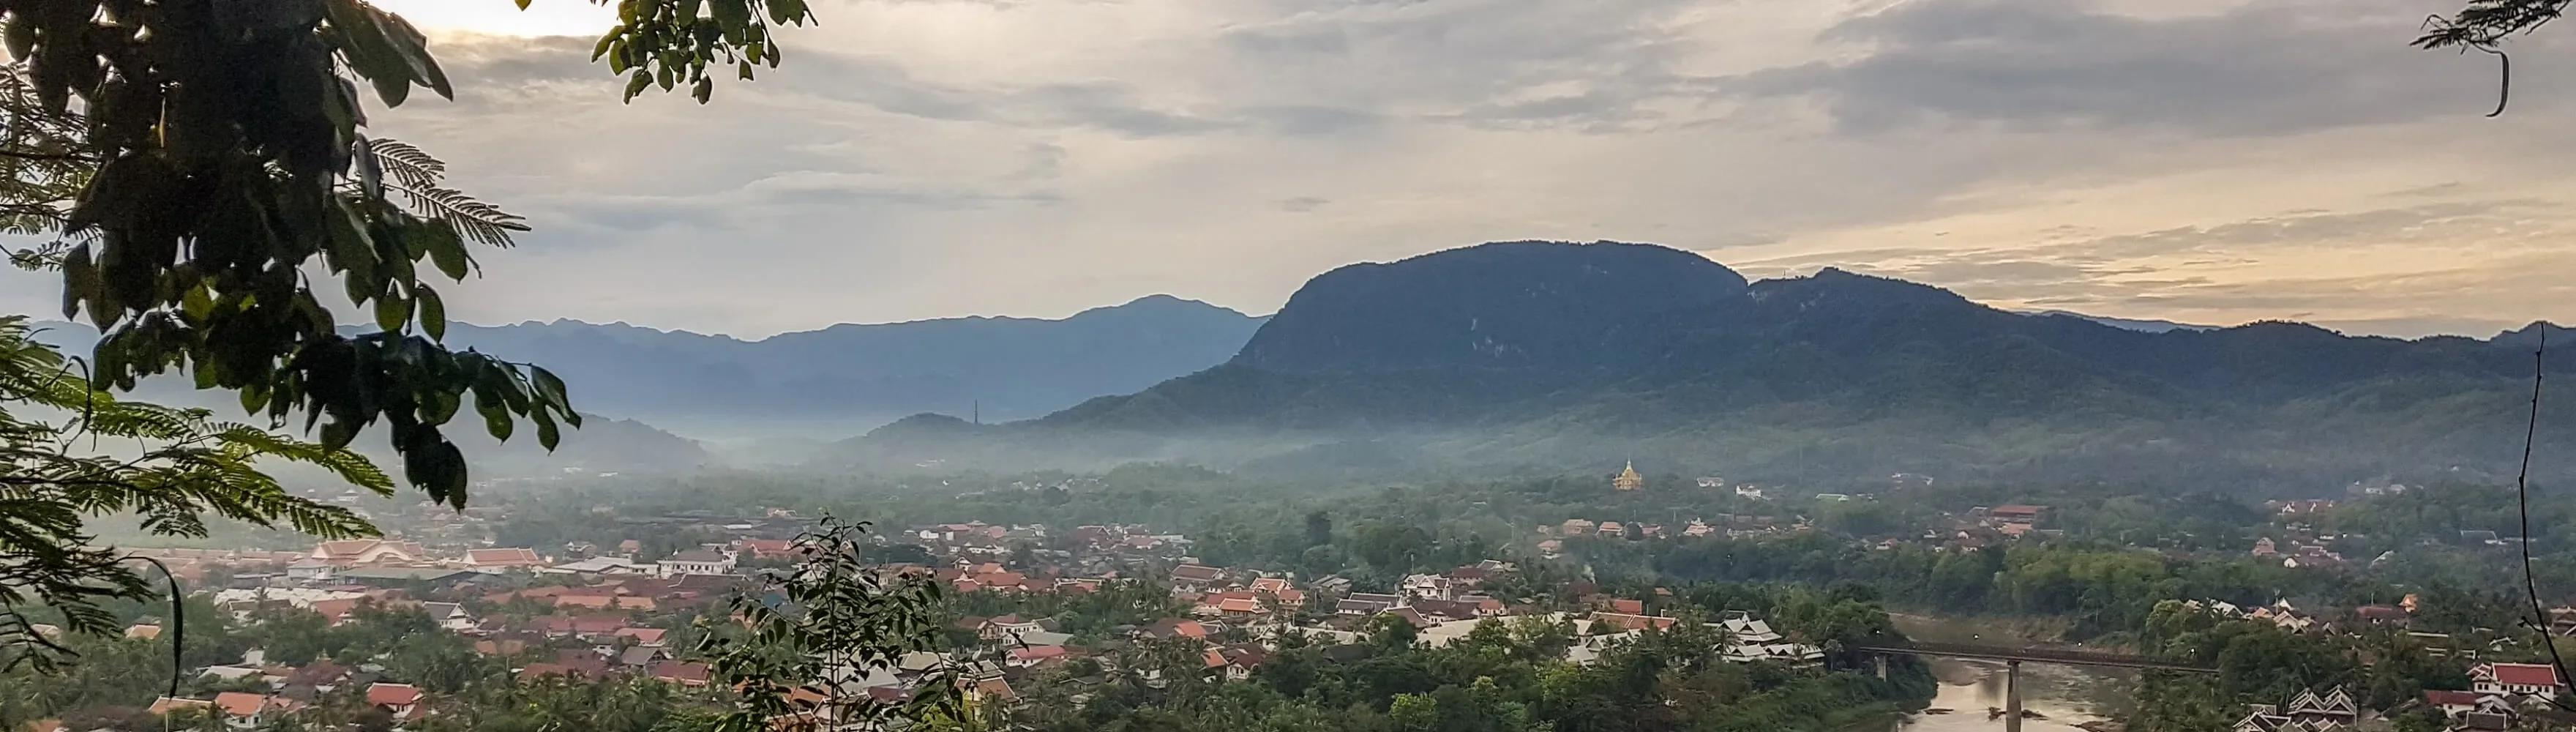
(479, 221)
(405, 163)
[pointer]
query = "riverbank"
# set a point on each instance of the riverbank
(2061, 698)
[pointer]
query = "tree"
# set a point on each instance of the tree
(191, 466)
(196, 163)
(817, 627)
(2483, 25)
(1319, 528)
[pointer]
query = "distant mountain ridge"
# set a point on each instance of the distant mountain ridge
(829, 383)
(845, 379)
(1555, 354)
(2146, 325)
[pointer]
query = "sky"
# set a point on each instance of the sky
(2205, 161)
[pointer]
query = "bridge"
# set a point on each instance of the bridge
(2013, 659)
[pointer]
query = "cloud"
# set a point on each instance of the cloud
(2203, 160)
(2261, 68)
(1302, 204)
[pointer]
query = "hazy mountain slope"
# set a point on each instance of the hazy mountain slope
(1564, 354)
(845, 379)
(602, 444)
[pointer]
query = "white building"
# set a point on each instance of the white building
(697, 561)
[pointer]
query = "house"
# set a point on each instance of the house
(1744, 628)
(164, 706)
(769, 548)
(1429, 586)
(696, 561)
(449, 615)
(1034, 656)
(2264, 547)
(243, 710)
(640, 656)
(685, 673)
(598, 565)
(2515, 680)
(2015, 513)
(497, 560)
(1007, 626)
(143, 631)
(2309, 712)
(1174, 628)
(401, 700)
(1366, 603)
(2462, 706)
(1575, 527)
(2379, 615)
(352, 552)
(1196, 576)
(1625, 621)
(644, 636)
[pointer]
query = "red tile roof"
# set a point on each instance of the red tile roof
(503, 557)
(2526, 674)
(686, 673)
(393, 695)
(2448, 698)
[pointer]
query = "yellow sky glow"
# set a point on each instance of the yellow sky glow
(503, 17)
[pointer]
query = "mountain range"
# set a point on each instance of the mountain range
(763, 400)
(848, 378)
(1549, 354)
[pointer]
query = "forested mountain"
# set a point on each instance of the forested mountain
(1534, 353)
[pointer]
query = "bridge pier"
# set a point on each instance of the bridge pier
(2012, 696)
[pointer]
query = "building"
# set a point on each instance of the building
(1196, 576)
(449, 615)
(2018, 513)
(1628, 479)
(401, 700)
(353, 552)
(496, 560)
(243, 710)
(696, 561)
(2514, 680)
(2310, 712)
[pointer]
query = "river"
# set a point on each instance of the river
(2067, 699)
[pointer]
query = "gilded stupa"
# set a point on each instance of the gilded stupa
(1628, 479)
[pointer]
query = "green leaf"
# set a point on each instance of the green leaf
(607, 42)
(198, 303)
(413, 48)
(446, 248)
(549, 388)
(787, 11)
(635, 84)
(441, 407)
(547, 434)
(336, 434)
(80, 281)
(496, 413)
(433, 316)
(392, 312)
(704, 88)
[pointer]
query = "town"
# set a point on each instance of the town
(1036, 613)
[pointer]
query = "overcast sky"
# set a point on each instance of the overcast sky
(2196, 160)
